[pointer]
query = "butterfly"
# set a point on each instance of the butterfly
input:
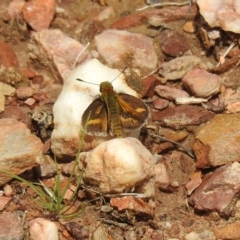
(112, 113)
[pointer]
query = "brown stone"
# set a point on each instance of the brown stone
(217, 142)
(170, 14)
(20, 150)
(121, 48)
(17, 113)
(160, 103)
(149, 83)
(173, 43)
(89, 30)
(218, 190)
(182, 116)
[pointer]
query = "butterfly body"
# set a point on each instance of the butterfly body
(114, 112)
(109, 97)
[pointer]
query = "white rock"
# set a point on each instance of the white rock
(192, 236)
(8, 191)
(224, 14)
(43, 229)
(190, 100)
(75, 97)
(119, 165)
(161, 176)
(7, 89)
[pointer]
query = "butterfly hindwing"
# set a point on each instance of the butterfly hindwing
(96, 114)
(134, 111)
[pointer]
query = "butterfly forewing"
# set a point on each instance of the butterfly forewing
(98, 120)
(134, 112)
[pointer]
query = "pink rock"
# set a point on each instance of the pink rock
(193, 184)
(173, 43)
(134, 204)
(160, 103)
(24, 92)
(69, 193)
(8, 57)
(202, 83)
(162, 180)
(218, 190)
(11, 226)
(39, 14)
(105, 14)
(117, 47)
(4, 200)
(182, 116)
(20, 150)
(58, 52)
(15, 9)
(170, 93)
(30, 101)
(217, 142)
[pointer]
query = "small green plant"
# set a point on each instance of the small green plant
(52, 199)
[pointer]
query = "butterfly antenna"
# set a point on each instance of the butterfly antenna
(119, 74)
(98, 84)
(86, 81)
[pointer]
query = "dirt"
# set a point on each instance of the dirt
(174, 218)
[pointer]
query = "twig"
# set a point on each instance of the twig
(226, 53)
(167, 4)
(189, 152)
(78, 56)
(117, 224)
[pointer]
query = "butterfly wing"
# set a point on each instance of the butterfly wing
(95, 118)
(134, 112)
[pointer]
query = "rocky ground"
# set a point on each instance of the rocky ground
(182, 58)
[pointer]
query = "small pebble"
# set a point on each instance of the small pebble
(192, 236)
(30, 101)
(24, 92)
(189, 27)
(7, 189)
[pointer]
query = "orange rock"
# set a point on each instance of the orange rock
(230, 231)
(190, 27)
(139, 206)
(8, 57)
(39, 13)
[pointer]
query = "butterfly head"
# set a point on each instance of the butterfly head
(106, 87)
